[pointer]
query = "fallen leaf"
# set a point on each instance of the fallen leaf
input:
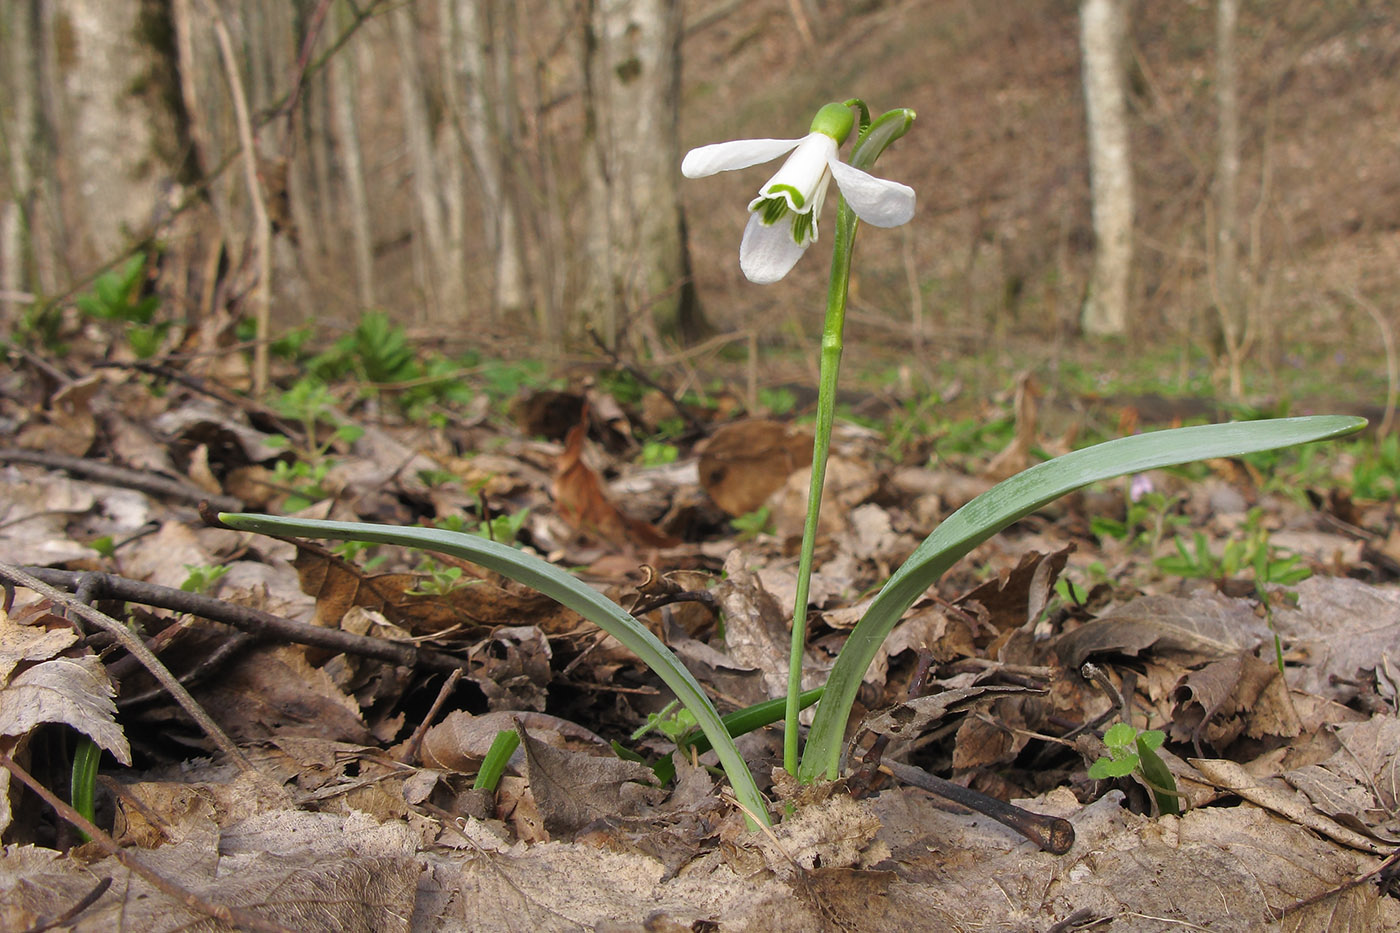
(581, 501)
(1274, 794)
(1201, 627)
(744, 463)
(572, 789)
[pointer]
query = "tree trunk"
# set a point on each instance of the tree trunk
(636, 277)
(86, 130)
(345, 69)
(479, 88)
(441, 268)
(1102, 28)
(1229, 297)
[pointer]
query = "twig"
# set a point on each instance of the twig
(1052, 834)
(253, 621)
(410, 749)
(692, 423)
(71, 914)
(131, 643)
(121, 476)
(233, 916)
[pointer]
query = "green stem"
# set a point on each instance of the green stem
(83, 781)
(821, 447)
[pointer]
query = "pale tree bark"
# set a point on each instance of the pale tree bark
(1229, 294)
(479, 87)
(1102, 29)
(85, 131)
(635, 248)
(441, 270)
(27, 151)
(345, 119)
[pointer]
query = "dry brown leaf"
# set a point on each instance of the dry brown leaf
(70, 426)
(849, 482)
(744, 463)
(572, 789)
(35, 511)
(310, 887)
(37, 686)
(339, 587)
(1340, 629)
(1238, 695)
(271, 691)
(1273, 794)
(461, 740)
(1201, 627)
(756, 628)
(1359, 786)
(908, 720)
(1017, 597)
(581, 501)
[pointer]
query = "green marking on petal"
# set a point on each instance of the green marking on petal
(798, 201)
(771, 209)
(801, 226)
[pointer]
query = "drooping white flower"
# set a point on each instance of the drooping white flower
(783, 218)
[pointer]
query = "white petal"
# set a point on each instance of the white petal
(876, 201)
(804, 173)
(725, 157)
(766, 254)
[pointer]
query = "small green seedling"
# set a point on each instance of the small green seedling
(752, 524)
(1131, 750)
(488, 777)
(202, 577)
(116, 296)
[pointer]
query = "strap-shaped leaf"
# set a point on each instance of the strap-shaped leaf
(544, 578)
(1014, 499)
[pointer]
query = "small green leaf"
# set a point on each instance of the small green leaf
(1119, 735)
(1151, 738)
(1107, 768)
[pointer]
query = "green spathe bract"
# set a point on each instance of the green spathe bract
(1014, 499)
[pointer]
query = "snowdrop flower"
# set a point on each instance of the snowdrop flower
(783, 218)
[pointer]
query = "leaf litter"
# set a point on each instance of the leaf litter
(353, 808)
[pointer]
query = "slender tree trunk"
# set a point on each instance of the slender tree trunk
(24, 143)
(345, 118)
(1102, 29)
(634, 242)
(478, 54)
(442, 271)
(1229, 296)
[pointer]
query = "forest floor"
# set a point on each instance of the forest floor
(1248, 609)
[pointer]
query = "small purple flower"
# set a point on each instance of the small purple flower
(1139, 486)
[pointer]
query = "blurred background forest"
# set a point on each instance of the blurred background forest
(504, 176)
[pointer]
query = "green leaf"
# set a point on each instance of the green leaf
(1157, 774)
(1010, 501)
(488, 776)
(1119, 735)
(1150, 739)
(1107, 768)
(550, 581)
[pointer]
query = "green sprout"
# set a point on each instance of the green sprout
(1135, 751)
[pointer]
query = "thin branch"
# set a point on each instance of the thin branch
(130, 642)
(245, 618)
(121, 476)
(233, 916)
